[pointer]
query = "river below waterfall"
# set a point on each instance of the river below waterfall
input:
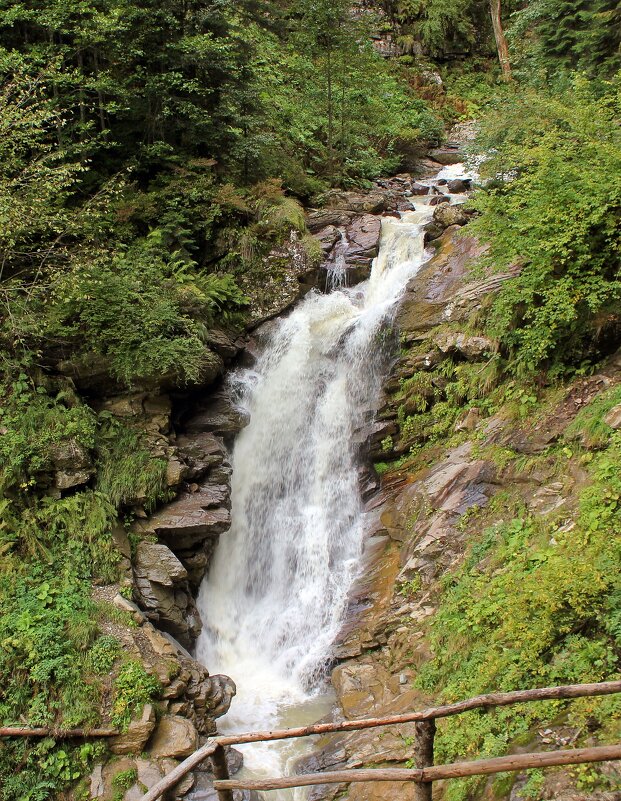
(275, 597)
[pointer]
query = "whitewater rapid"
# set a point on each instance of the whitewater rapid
(277, 589)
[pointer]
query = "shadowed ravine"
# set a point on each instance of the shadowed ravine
(277, 590)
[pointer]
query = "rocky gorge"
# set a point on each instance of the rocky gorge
(167, 551)
(424, 496)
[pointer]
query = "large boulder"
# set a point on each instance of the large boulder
(447, 155)
(613, 418)
(447, 215)
(157, 563)
(373, 202)
(458, 186)
(221, 692)
(288, 272)
(469, 347)
(72, 464)
(174, 737)
(323, 218)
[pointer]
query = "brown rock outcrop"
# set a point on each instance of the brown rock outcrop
(447, 215)
(138, 732)
(174, 737)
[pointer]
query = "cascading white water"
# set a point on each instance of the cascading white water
(277, 589)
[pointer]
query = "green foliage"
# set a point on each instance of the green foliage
(124, 779)
(408, 589)
(133, 687)
(442, 28)
(557, 216)
(127, 472)
(148, 154)
(34, 424)
(523, 611)
(387, 444)
(552, 36)
(45, 627)
(35, 179)
(46, 767)
(103, 654)
(139, 311)
(589, 424)
(357, 118)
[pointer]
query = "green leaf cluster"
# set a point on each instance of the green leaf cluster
(552, 213)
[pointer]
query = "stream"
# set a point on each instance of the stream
(276, 594)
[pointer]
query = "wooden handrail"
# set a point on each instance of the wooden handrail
(455, 770)
(485, 702)
(48, 731)
(488, 700)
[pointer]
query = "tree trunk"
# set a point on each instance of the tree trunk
(330, 112)
(100, 97)
(501, 41)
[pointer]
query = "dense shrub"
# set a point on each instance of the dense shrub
(553, 209)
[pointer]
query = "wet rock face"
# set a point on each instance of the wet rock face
(350, 250)
(287, 274)
(349, 228)
(414, 538)
(161, 584)
(71, 464)
(168, 572)
(418, 522)
(363, 237)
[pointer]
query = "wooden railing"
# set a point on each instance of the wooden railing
(425, 772)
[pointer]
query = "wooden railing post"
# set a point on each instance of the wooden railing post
(221, 771)
(423, 775)
(423, 755)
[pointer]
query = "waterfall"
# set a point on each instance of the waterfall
(277, 589)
